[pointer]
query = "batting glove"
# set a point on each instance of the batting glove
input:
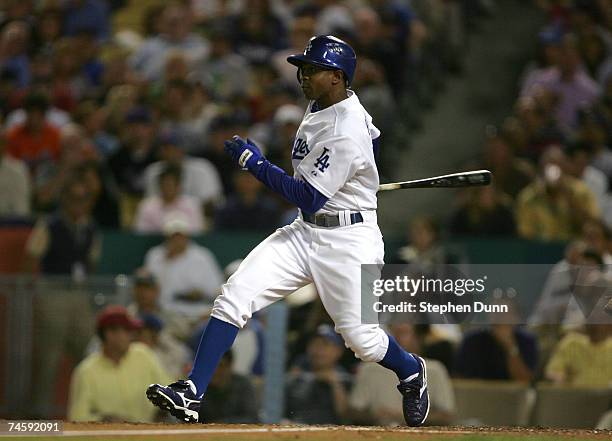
(245, 153)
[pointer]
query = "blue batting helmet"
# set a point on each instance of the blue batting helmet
(329, 52)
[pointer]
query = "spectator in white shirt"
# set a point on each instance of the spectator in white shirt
(175, 25)
(199, 177)
(15, 186)
(153, 211)
(579, 159)
(188, 274)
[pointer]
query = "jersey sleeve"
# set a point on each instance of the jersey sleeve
(330, 164)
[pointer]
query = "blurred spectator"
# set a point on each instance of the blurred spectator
(53, 116)
(48, 30)
(117, 374)
(100, 185)
(568, 80)
(137, 19)
(201, 112)
(370, 43)
(174, 109)
(590, 291)
(437, 342)
(90, 15)
(317, 389)
(584, 359)
(548, 53)
(579, 157)
(174, 356)
(599, 238)
(66, 242)
(34, 141)
(116, 69)
(230, 397)
(153, 211)
(556, 307)
(423, 246)
(281, 133)
(248, 208)
(14, 185)
(301, 29)
(223, 127)
(199, 178)
(93, 119)
(67, 83)
(375, 93)
(502, 351)
(224, 73)
(88, 50)
(485, 212)
(14, 44)
(592, 132)
(552, 305)
(375, 400)
(536, 113)
(555, 205)
(128, 164)
(174, 34)
(51, 177)
(63, 244)
(258, 31)
(122, 100)
(146, 302)
(188, 274)
(332, 17)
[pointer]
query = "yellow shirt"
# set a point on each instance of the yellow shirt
(540, 217)
(100, 388)
(580, 362)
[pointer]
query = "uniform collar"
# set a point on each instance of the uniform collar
(345, 103)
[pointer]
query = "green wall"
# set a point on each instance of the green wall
(123, 252)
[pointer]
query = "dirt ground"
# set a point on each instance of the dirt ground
(184, 432)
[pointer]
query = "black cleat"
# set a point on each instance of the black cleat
(177, 398)
(415, 402)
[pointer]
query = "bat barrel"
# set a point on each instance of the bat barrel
(456, 180)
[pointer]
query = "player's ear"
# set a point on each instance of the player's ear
(337, 77)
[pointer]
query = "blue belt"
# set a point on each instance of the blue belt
(329, 220)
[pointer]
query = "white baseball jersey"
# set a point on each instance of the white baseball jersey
(333, 152)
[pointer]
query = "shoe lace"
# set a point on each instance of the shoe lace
(180, 384)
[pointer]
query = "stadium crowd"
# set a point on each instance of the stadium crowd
(114, 115)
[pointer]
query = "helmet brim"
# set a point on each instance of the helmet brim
(298, 60)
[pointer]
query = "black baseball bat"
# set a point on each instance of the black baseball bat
(474, 178)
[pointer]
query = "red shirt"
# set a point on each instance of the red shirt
(34, 148)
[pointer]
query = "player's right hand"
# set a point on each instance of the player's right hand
(245, 153)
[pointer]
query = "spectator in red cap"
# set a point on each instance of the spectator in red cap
(108, 384)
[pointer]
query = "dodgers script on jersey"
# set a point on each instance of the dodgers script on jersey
(333, 152)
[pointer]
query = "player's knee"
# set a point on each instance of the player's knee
(230, 309)
(369, 343)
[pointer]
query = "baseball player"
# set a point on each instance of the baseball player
(334, 185)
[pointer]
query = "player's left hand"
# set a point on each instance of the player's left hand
(245, 153)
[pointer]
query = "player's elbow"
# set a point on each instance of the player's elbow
(313, 201)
